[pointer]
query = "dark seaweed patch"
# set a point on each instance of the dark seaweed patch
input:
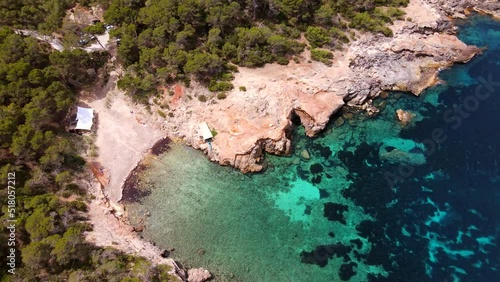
(346, 271)
(307, 210)
(316, 179)
(323, 194)
(161, 146)
(335, 212)
(323, 253)
(302, 173)
(357, 243)
(316, 168)
(133, 192)
(326, 152)
(389, 148)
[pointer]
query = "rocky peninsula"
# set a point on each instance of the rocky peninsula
(251, 122)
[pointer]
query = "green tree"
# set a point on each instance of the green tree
(70, 247)
(203, 65)
(128, 50)
(317, 36)
(123, 11)
(36, 255)
(97, 28)
(223, 16)
(40, 225)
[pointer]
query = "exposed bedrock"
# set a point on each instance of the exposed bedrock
(456, 8)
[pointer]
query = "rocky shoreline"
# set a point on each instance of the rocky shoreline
(112, 229)
(252, 122)
(255, 121)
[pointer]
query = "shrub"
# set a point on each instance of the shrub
(395, 13)
(363, 21)
(202, 98)
(221, 96)
(63, 178)
(243, 88)
(66, 194)
(161, 113)
(217, 86)
(322, 56)
(317, 36)
(232, 68)
(282, 61)
(227, 76)
(385, 31)
(93, 152)
(97, 28)
(338, 35)
(373, 23)
(165, 106)
(78, 205)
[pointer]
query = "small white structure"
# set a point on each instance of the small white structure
(84, 118)
(205, 132)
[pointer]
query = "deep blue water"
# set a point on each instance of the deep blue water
(439, 221)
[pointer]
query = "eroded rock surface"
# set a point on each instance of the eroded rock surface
(198, 275)
(405, 117)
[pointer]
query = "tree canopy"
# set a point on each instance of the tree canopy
(37, 87)
(169, 40)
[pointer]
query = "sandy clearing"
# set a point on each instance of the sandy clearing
(102, 41)
(124, 135)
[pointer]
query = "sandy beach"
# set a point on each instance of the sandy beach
(125, 133)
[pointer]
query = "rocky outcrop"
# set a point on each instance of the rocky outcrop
(253, 160)
(402, 151)
(405, 117)
(252, 122)
(460, 8)
(198, 275)
(304, 154)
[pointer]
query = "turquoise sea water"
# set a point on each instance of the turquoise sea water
(375, 202)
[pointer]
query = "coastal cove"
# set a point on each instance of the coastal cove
(368, 199)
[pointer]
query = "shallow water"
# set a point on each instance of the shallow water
(364, 207)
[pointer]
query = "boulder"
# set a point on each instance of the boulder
(339, 122)
(402, 157)
(405, 117)
(198, 275)
(403, 151)
(305, 154)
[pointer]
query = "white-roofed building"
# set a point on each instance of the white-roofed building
(205, 132)
(84, 118)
